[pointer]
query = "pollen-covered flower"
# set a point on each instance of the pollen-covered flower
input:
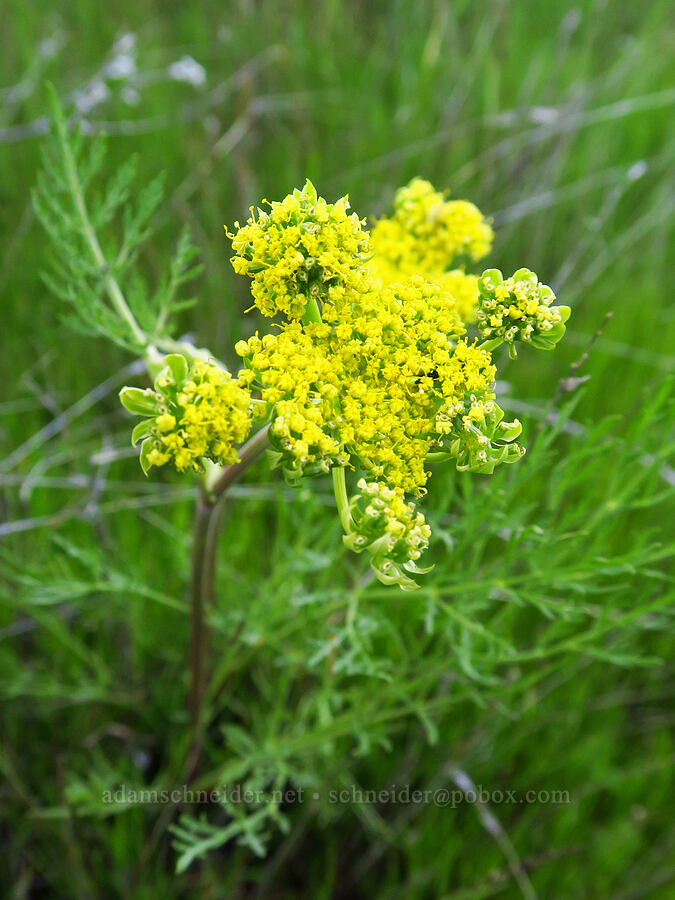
(299, 381)
(519, 309)
(427, 232)
(390, 530)
(425, 236)
(463, 288)
(303, 248)
(193, 413)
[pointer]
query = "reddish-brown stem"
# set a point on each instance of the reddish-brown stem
(207, 527)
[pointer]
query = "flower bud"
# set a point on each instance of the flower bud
(519, 309)
(390, 530)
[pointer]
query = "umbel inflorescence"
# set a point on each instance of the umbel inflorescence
(371, 368)
(194, 412)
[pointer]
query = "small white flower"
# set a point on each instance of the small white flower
(188, 70)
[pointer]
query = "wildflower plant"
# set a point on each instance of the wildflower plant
(377, 365)
(306, 671)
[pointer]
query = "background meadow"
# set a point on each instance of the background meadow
(537, 654)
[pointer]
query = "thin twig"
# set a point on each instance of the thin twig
(492, 825)
(570, 383)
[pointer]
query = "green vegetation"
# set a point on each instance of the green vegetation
(536, 655)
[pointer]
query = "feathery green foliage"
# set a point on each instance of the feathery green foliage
(98, 223)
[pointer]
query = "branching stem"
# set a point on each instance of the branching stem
(221, 478)
(198, 627)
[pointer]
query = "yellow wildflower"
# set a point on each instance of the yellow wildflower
(425, 235)
(382, 376)
(194, 412)
(303, 248)
(428, 232)
(379, 383)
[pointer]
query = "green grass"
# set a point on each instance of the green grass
(536, 655)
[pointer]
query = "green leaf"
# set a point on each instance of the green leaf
(139, 402)
(526, 275)
(146, 447)
(141, 431)
(489, 280)
(178, 367)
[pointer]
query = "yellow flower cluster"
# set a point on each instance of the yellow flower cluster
(194, 413)
(425, 235)
(300, 382)
(519, 309)
(371, 366)
(303, 248)
(381, 380)
(464, 289)
(390, 530)
(432, 230)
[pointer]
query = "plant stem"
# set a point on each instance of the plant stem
(208, 521)
(491, 344)
(198, 626)
(340, 490)
(311, 313)
(438, 457)
(207, 527)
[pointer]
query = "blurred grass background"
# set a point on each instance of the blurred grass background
(531, 658)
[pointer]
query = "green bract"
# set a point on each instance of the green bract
(294, 469)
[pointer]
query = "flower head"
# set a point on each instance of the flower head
(427, 232)
(389, 529)
(479, 440)
(193, 413)
(519, 309)
(376, 383)
(302, 248)
(425, 236)
(383, 378)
